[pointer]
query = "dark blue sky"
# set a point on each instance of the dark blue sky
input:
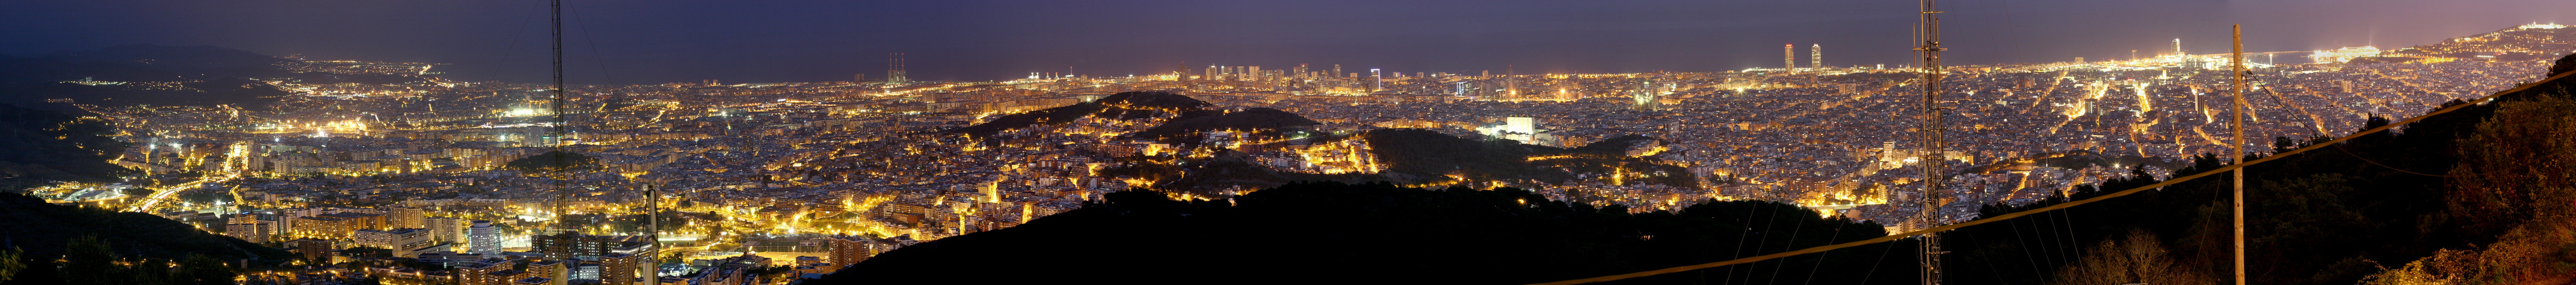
(654, 41)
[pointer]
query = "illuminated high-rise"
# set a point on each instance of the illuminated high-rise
(483, 239)
(1816, 56)
(1789, 58)
(1376, 82)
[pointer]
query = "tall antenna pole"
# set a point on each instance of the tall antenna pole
(895, 71)
(561, 161)
(1935, 153)
(2237, 121)
(653, 228)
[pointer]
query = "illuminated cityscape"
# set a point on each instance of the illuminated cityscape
(757, 174)
(1429, 159)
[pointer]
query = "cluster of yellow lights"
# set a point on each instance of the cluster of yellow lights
(1345, 156)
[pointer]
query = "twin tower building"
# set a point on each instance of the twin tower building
(1789, 57)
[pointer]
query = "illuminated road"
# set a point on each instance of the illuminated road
(165, 192)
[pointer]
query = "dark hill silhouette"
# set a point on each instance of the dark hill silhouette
(1121, 106)
(1426, 153)
(1313, 233)
(46, 146)
(227, 90)
(42, 228)
(1263, 123)
(1154, 100)
(1613, 146)
(148, 62)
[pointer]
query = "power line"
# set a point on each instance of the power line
(2027, 258)
(1729, 278)
(2068, 204)
(1820, 259)
(2365, 159)
(1801, 228)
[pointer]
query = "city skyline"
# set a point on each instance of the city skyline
(617, 44)
(1422, 142)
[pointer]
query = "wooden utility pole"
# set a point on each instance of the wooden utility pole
(2237, 119)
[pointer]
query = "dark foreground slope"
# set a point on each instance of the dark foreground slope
(2456, 181)
(43, 228)
(1380, 234)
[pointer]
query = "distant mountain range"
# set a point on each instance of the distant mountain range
(156, 75)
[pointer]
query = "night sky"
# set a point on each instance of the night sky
(656, 41)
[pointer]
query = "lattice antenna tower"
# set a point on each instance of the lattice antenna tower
(1934, 155)
(562, 162)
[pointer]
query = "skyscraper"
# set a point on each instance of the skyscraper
(1816, 54)
(1376, 82)
(895, 68)
(483, 239)
(1789, 57)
